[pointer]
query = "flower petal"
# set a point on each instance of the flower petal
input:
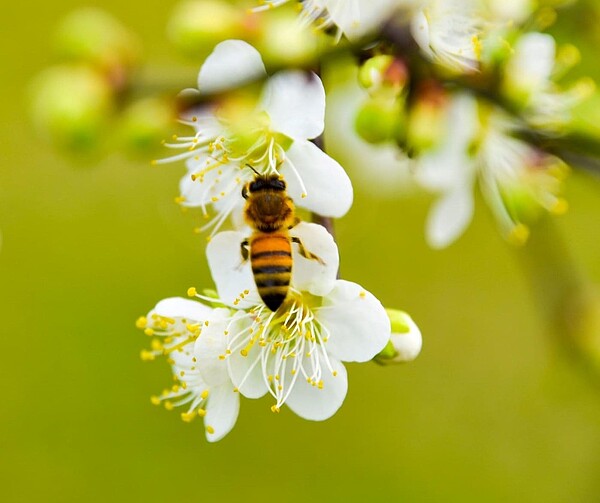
(247, 374)
(356, 18)
(311, 275)
(231, 64)
(449, 217)
(327, 188)
(358, 326)
(178, 307)
(316, 404)
(231, 274)
(210, 347)
(295, 102)
(222, 412)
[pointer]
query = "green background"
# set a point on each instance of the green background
(491, 410)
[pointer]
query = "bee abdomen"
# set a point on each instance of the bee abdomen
(271, 259)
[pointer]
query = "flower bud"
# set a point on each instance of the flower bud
(383, 75)
(145, 123)
(405, 342)
(196, 26)
(427, 118)
(379, 120)
(72, 106)
(91, 36)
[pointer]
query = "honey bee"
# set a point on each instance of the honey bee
(271, 213)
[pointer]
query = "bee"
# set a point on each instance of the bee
(271, 214)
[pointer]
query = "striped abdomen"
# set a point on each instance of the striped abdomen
(271, 260)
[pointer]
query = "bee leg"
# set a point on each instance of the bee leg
(305, 253)
(296, 222)
(245, 249)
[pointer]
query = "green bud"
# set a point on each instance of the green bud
(379, 120)
(72, 106)
(427, 119)
(146, 123)
(196, 26)
(384, 76)
(92, 36)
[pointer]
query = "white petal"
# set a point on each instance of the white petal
(210, 347)
(231, 64)
(419, 28)
(222, 411)
(533, 61)
(358, 325)
(178, 307)
(231, 274)
(247, 374)
(356, 18)
(315, 404)
(310, 275)
(295, 102)
(449, 217)
(407, 344)
(328, 188)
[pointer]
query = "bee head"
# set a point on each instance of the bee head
(264, 183)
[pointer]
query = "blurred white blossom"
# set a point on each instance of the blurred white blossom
(529, 82)
(516, 179)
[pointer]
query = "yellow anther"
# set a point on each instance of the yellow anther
(334, 373)
(188, 416)
(321, 384)
(180, 199)
(168, 405)
(197, 230)
(225, 332)
(201, 412)
(182, 373)
(293, 371)
(183, 385)
(204, 394)
(156, 345)
(149, 331)
(274, 408)
(362, 294)
(146, 355)
(154, 400)
(153, 162)
(141, 322)
(236, 390)
(206, 323)
(560, 207)
(244, 352)
(303, 195)
(210, 430)
(221, 357)
(192, 292)
(519, 234)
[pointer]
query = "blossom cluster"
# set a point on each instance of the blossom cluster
(226, 344)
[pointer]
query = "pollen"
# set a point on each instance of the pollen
(204, 394)
(192, 292)
(146, 355)
(201, 412)
(149, 332)
(274, 408)
(188, 416)
(154, 400)
(141, 322)
(169, 405)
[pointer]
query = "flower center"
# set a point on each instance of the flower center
(288, 344)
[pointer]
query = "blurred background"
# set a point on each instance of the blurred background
(491, 410)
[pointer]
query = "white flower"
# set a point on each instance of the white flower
(516, 179)
(449, 33)
(353, 18)
(294, 354)
(272, 136)
(176, 323)
(528, 81)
